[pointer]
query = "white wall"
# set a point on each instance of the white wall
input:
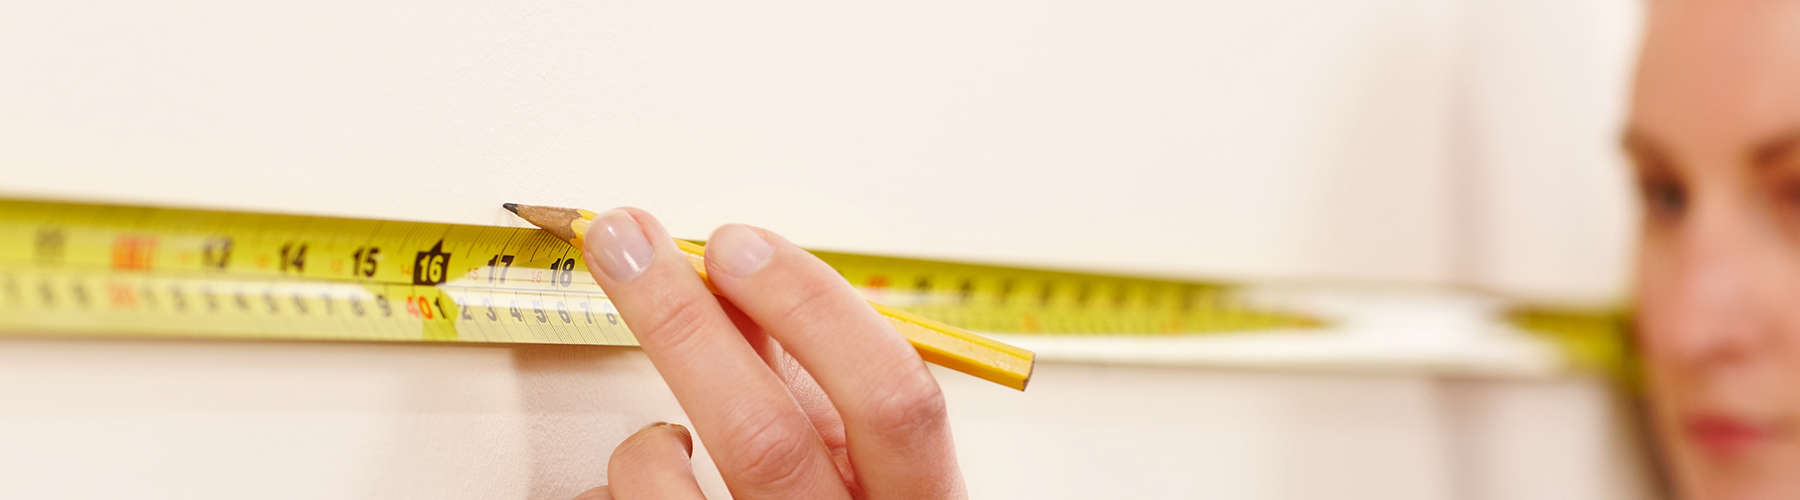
(1543, 188)
(1288, 138)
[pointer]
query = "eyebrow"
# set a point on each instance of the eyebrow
(1775, 148)
(1762, 154)
(1640, 145)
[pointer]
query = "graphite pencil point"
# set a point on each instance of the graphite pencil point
(510, 207)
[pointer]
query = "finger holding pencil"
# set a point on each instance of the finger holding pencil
(938, 343)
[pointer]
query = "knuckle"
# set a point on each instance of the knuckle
(677, 324)
(770, 453)
(914, 405)
(813, 299)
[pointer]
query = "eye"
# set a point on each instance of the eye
(1784, 200)
(1790, 193)
(1666, 198)
(1787, 196)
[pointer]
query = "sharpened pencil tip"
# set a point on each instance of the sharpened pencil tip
(510, 207)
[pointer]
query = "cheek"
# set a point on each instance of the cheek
(1659, 306)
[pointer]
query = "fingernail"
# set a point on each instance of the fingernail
(738, 250)
(687, 438)
(617, 243)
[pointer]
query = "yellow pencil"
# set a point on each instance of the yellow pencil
(945, 345)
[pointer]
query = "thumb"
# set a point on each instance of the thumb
(653, 463)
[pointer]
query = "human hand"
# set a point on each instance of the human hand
(797, 386)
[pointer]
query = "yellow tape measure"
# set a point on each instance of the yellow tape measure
(76, 268)
(1594, 340)
(119, 270)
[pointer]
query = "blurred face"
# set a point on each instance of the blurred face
(1715, 138)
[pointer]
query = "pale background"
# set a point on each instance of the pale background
(1444, 142)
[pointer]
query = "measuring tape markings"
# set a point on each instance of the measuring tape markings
(213, 258)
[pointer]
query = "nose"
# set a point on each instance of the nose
(1711, 309)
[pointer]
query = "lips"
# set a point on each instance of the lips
(1726, 437)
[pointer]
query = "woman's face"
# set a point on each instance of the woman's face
(1714, 135)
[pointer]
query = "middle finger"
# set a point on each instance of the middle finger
(761, 441)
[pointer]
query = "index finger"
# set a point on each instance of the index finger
(764, 445)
